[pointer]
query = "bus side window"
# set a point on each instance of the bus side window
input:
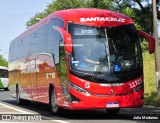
(62, 60)
(57, 22)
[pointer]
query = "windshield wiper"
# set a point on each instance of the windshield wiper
(96, 73)
(103, 62)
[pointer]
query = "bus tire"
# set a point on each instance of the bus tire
(18, 98)
(55, 108)
(113, 111)
(6, 89)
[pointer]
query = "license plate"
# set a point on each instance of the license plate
(112, 104)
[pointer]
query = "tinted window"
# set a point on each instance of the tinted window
(62, 59)
(108, 54)
(33, 43)
(43, 40)
(54, 38)
(39, 40)
(11, 52)
(57, 22)
(3, 73)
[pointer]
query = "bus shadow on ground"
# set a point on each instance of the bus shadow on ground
(2, 90)
(124, 114)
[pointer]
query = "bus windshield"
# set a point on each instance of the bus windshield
(111, 51)
(3, 73)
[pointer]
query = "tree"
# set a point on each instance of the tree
(55, 6)
(3, 62)
(142, 16)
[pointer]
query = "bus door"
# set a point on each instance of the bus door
(45, 75)
(33, 78)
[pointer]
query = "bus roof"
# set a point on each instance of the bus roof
(92, 17)
(4, 68)
(85, 16)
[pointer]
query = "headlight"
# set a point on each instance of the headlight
(77, 88)
(139, 87)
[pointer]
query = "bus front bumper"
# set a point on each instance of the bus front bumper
(132, 100)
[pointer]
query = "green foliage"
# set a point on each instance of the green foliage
(144, 45)
(63, 69)
(102, 4)
(55, 6)
(3, 62)
(67, 4)
(144, 18)
(129, 11)
(152, 99)
(141, 16)
(34, 19)
(150, 92)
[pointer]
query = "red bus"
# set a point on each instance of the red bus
(80, 59)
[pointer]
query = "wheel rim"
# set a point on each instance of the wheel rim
(54, 102)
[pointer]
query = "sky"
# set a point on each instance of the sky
(13, 17)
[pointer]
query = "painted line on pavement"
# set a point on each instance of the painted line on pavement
(60, 121)
(13, 95)
(19, 110)
(26, 112)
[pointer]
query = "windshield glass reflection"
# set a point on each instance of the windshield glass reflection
(99, 50)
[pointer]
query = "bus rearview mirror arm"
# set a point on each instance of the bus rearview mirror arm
(150, 39)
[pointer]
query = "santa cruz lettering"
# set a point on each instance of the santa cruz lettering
(102, 19)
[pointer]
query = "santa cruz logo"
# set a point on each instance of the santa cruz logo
(113, 19)
(111, 91)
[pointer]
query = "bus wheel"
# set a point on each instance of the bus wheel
(19, 100)
(113, 111)
(55, 108)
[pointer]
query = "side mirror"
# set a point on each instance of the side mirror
(67, 40)
(150, 39)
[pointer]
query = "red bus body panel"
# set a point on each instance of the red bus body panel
(36, 73)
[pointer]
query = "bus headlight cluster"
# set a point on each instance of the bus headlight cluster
(139, 87)
(77, 88)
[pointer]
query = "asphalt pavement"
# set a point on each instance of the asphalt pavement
(37, 112)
